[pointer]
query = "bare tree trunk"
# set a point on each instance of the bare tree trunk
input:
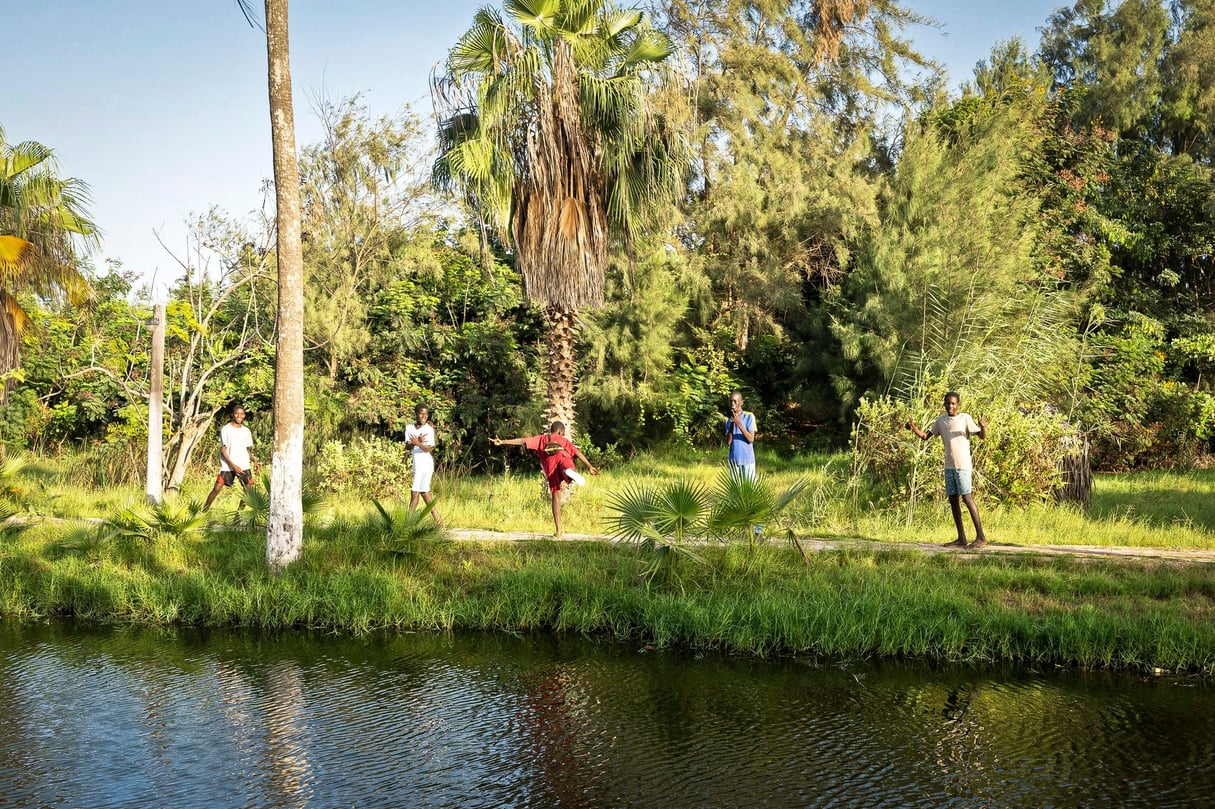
(1076, 485)
(285, 523)
(560, 367)
(156, 409)
(181, 446)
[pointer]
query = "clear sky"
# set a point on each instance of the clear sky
(162, 107)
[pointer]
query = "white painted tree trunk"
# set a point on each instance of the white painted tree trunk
(285, 524)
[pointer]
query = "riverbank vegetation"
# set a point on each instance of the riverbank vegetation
(872, 593)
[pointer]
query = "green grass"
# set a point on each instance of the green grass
(1147, 509)
(868, 598)
(857, 602)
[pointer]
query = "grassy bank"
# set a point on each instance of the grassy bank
(870, 598)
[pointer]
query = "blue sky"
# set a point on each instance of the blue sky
(164, 112)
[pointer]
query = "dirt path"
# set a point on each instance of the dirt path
(812, 544)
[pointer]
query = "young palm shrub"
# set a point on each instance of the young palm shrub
(12, 493)
(255, 504)
(133, 531)
(407, 533)
(664, 520)
(11, 467)
(742, 505)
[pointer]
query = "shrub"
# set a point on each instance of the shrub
(1018, 462)
(371, 467)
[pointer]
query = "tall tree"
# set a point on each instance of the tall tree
(1114, 52)
(789, 98)
(547, 126)
(285, 523)
(44, 232)
(952, 286)
(1188, 111)
(364, 194)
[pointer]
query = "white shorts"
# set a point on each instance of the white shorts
(423, 471)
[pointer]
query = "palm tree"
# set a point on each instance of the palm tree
(44, 231)
(547, 127)
(285, 521)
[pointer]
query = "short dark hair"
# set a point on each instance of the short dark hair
(953, 394)
(556, 427)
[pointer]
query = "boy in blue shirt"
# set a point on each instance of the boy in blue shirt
(740, 437)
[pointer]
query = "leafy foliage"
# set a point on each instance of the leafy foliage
(1017, 463)
(173, 517)
(406, 532)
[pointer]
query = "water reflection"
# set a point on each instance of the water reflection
(129, 717)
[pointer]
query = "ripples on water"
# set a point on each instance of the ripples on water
(160, 718)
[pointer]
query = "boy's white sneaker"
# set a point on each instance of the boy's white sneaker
(574, 476)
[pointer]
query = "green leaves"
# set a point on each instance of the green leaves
(173, 517)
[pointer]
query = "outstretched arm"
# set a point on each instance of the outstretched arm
(920, 434)
(578, 456)
(982, 433)
(513, 442)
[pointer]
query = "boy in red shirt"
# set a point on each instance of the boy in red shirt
(557, 454)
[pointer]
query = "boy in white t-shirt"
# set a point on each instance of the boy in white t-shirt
(955, 429)
(236, 460)
(420, 438)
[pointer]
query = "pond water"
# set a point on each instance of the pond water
(131, 717)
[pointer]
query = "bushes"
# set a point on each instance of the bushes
(373, 467)
(1017, 463)
(1138, 413)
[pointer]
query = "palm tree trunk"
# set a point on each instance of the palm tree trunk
(560, 366)
(285, 522)
(10, 347)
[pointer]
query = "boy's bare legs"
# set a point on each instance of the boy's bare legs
(556, 498)
(980, 537)
(427, 497)
(955, 506)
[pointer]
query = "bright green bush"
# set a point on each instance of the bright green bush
(371, 467)
(1018, 462)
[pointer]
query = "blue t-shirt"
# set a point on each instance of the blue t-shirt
(741, 450)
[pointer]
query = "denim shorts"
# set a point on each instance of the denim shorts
(957, 481)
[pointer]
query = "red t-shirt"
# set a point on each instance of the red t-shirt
(554, 465)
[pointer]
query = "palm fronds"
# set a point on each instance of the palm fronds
(173, 517)
(405, 532)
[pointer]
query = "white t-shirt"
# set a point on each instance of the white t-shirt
(426, 433)
(955, 432)
(237, 441)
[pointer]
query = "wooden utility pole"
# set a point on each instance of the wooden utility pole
(156, 406)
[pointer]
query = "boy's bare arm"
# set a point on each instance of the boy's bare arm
(578, 456)
(920, 434)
